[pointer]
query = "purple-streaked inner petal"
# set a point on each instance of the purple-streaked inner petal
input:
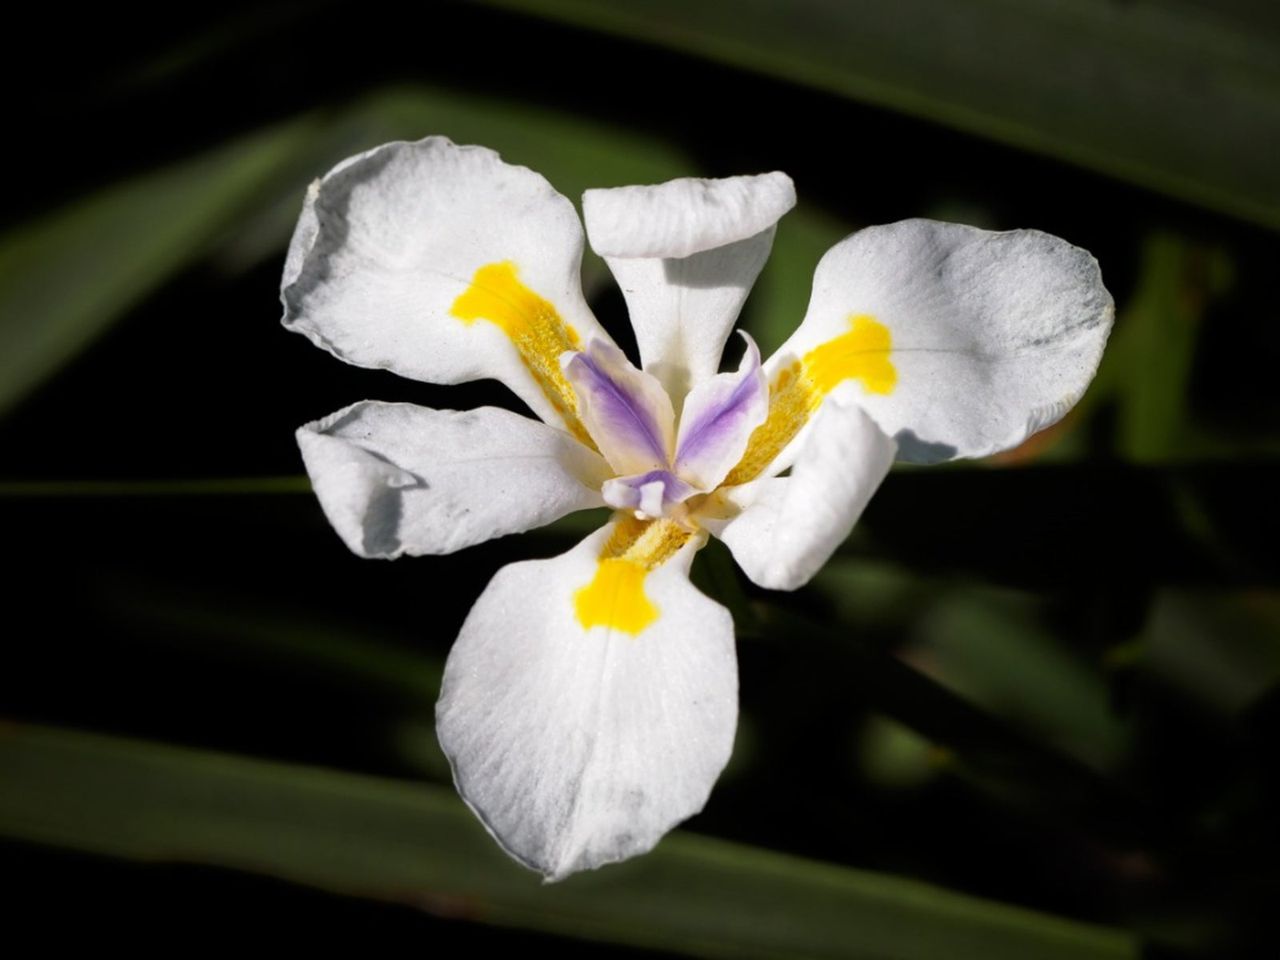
(719, 416)
(626, 411)
(652, 493)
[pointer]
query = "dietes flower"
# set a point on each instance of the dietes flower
(590, 700)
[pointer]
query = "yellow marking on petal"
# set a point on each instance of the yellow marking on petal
(615, 597)
(533, 325)
(798, 389)
(862, 353)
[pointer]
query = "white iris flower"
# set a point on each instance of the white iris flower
(590, 700)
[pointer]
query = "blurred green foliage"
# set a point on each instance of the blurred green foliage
(1181, 97)
(379, 838)
(66, 277)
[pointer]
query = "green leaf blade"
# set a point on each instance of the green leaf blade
(65, 278)
(406, 843)
(1183, 100)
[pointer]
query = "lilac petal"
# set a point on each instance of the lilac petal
(652, 493)
(719, 416)
(627, 412)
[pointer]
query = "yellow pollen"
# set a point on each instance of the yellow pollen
(534, 327)
(615, 597)
(860, 353)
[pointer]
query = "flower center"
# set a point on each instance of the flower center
(631, 420)
(656, 493)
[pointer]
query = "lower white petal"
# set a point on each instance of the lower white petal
(581, 745)
(395, 478)
(781, 530)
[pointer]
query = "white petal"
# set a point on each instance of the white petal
(686, 216)
(789, 526)
(395, 478)
(685, 254)
(683, 309)
(986, 337)
(390, 240)
(577, 747)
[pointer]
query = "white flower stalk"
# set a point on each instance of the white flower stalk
(590, 701)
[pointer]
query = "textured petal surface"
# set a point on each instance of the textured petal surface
(719, 417)
(444, 264)
(581, 746)
(963, 341)
(395, 478)
(685, 254)
(685, 216)
(626, 411)
(781, 530)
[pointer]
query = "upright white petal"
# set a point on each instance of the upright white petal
(686, 216)
(963, 341)
(781, 530)
(578, 746)
(394, 478)
(444, 264)
(685, 254)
